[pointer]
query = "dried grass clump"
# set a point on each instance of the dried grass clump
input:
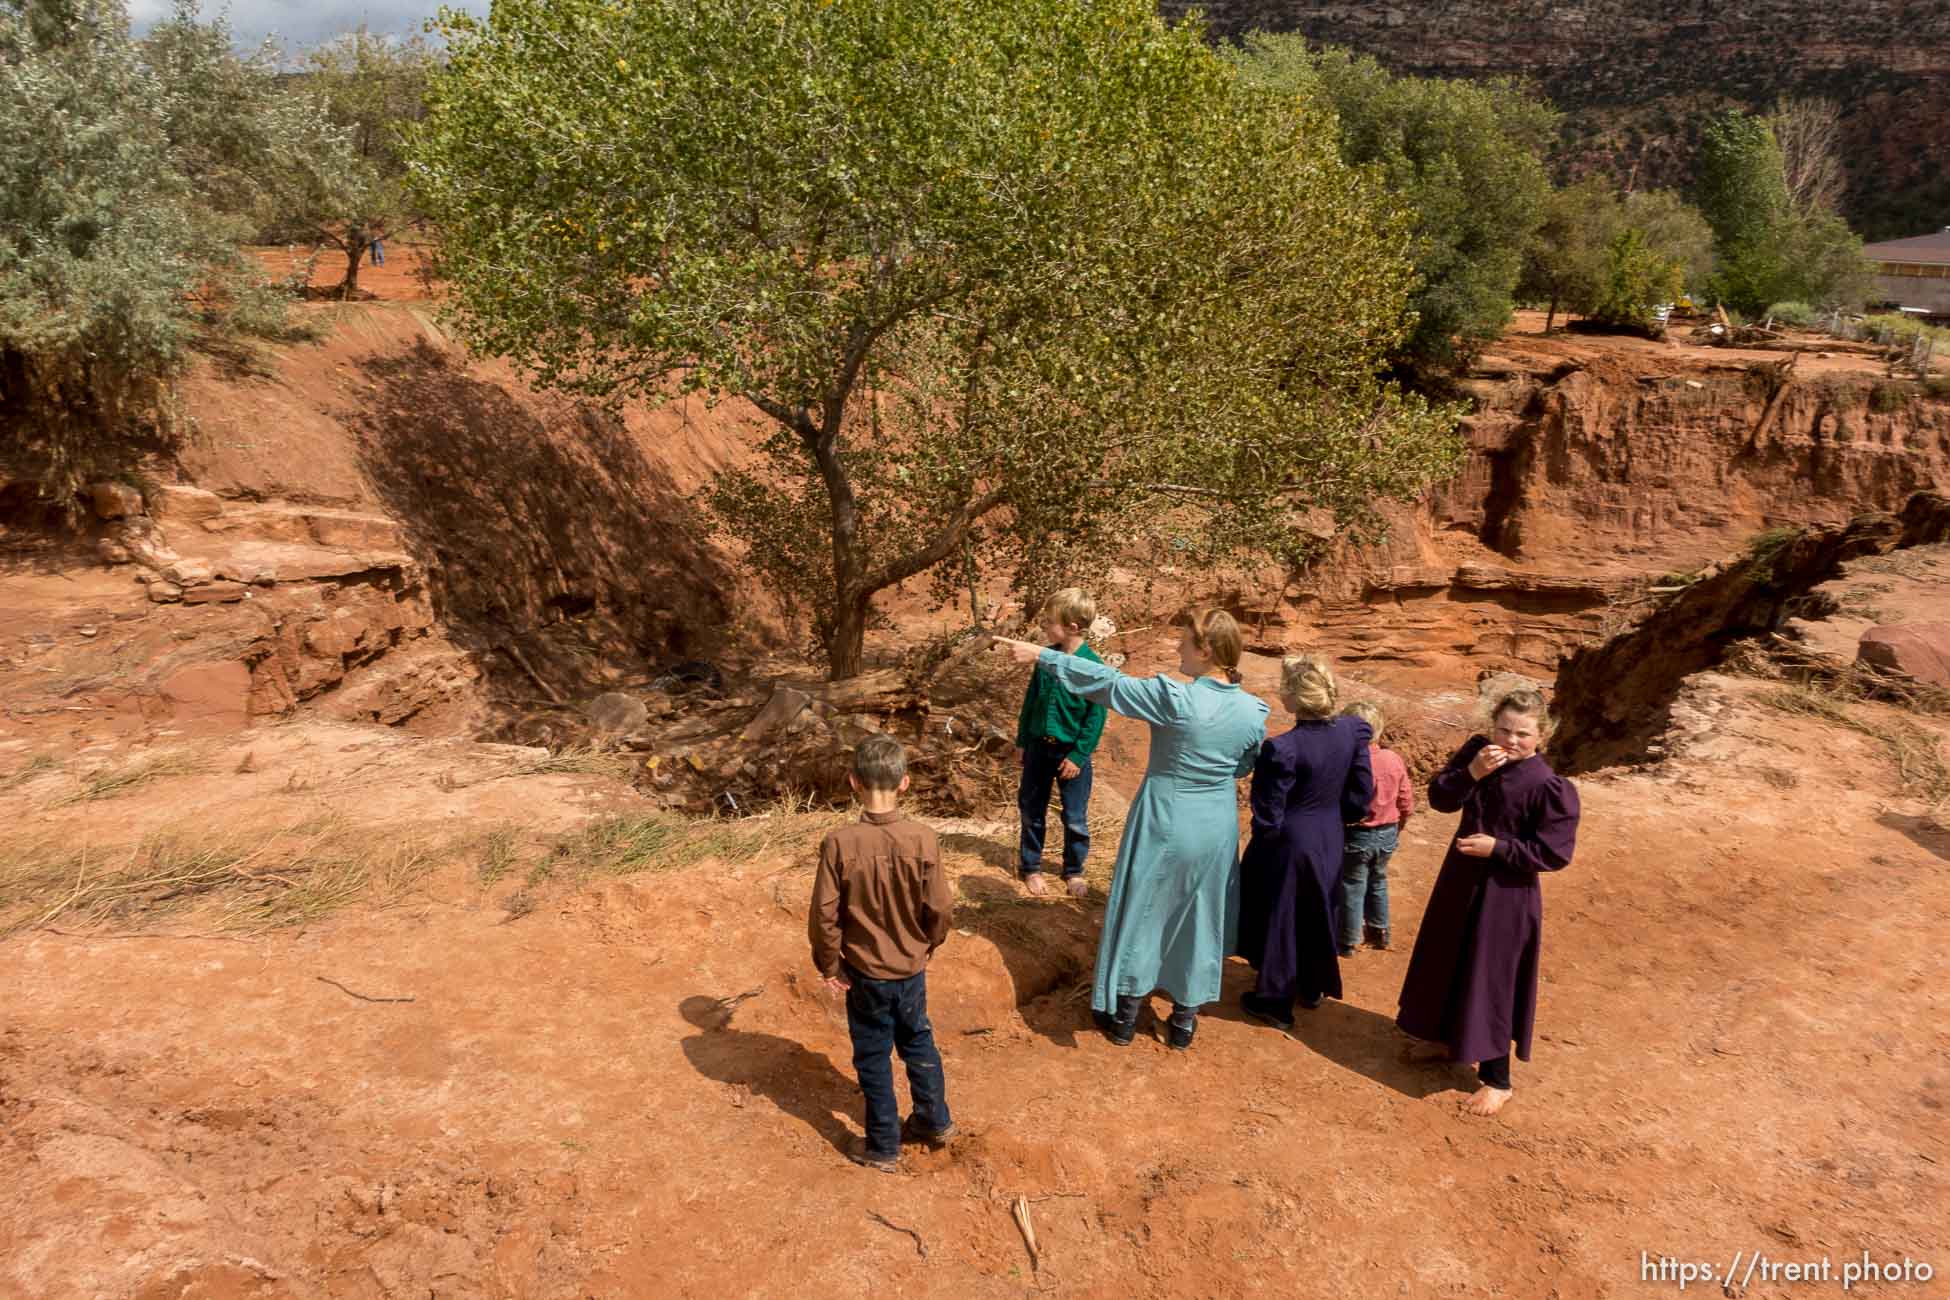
(243, 881)
(110, 782)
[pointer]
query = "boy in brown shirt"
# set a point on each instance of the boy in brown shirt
(880, 907)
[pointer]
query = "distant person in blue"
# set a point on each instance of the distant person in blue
(1174, 897)
(379, 252)
(1308, 786)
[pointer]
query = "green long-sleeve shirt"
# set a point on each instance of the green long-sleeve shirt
(1051, 713)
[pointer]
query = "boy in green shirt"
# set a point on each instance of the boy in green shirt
(1055, 737)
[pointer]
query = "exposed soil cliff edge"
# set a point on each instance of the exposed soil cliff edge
(1596, 468)
(1614, 701)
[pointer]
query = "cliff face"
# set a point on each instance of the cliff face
(1594, 468)
(1634, 76)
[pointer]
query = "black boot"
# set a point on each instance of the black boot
(1267, 1010)
(1122, 1027)
(1377, 937)
(1184, 1023)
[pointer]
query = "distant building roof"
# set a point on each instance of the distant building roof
(1930, 250)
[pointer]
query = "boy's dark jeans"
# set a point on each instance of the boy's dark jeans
(1039, 763)
(1364, 880)
(885, 1015)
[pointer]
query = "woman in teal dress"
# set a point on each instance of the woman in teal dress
(1174, 897)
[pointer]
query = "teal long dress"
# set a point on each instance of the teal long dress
(1174, 897)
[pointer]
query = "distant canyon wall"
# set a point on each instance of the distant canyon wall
(1635, 76)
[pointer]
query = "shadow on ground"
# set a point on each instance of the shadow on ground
(538, 515)
(1354, 1038)
(799, 1081)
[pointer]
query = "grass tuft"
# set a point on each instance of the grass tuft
(1916, 752)
(625, 846)
(38, 765)
(113, 781)
(577, 760)
(287, 876)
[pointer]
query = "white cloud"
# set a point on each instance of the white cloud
(299, 24)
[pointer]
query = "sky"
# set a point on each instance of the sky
(306, 22)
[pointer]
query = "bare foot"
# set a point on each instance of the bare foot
(1488, 1100)
(1079, 887)
(1035, 884)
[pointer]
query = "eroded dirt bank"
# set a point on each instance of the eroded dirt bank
(313, 996)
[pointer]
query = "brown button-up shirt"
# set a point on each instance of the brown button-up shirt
(880, 899)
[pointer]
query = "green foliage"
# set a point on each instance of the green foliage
(1465, 158)
(368, 89)
(1024, 280)
(1798, 314)
(1767, 249)
(1637, 280)
(1887, 396)
(1676, 230)
(128, 173)
(1741, 180)
(98, 249)
(1576, 259)
(1564, 263)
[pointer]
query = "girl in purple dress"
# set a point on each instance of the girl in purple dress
(1307, 786)
(1472, 980)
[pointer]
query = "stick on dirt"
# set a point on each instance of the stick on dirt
(361, 996)
(885, 1222)
(1021, 1210)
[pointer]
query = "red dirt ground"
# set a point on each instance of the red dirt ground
(1743, 1035)
(1743, 1047)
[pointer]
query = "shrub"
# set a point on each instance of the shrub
(1888, 396)
(1798, 314)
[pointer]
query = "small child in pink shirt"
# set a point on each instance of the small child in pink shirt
(1364, 863)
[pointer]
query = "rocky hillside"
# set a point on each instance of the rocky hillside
(1598, 466)
(1634, 76)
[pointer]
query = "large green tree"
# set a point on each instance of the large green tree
(1024, 280)
(1769, 247)
(1465, 158)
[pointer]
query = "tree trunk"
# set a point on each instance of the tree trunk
(355, 250)
(1551, 315)
(846, 649)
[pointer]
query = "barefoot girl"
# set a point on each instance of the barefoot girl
(1472, 980)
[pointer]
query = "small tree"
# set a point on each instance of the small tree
(1465, 157)
(1564, 263)
(1012, 278)
(1674, 229)
(1637, 280)
(366, 88)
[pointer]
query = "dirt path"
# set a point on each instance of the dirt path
(1744, 1046)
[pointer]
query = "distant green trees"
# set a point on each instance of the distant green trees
(1465, 158)
(1613, 258)
(130, 172)
(1773, 242)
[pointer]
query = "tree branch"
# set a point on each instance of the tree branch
(940, 548)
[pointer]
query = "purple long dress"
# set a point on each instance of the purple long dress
(1472, 979)
(1307, 786)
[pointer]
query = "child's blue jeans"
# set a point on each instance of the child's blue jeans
(1039, 763)
(1364, 880)
(892, 1015)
